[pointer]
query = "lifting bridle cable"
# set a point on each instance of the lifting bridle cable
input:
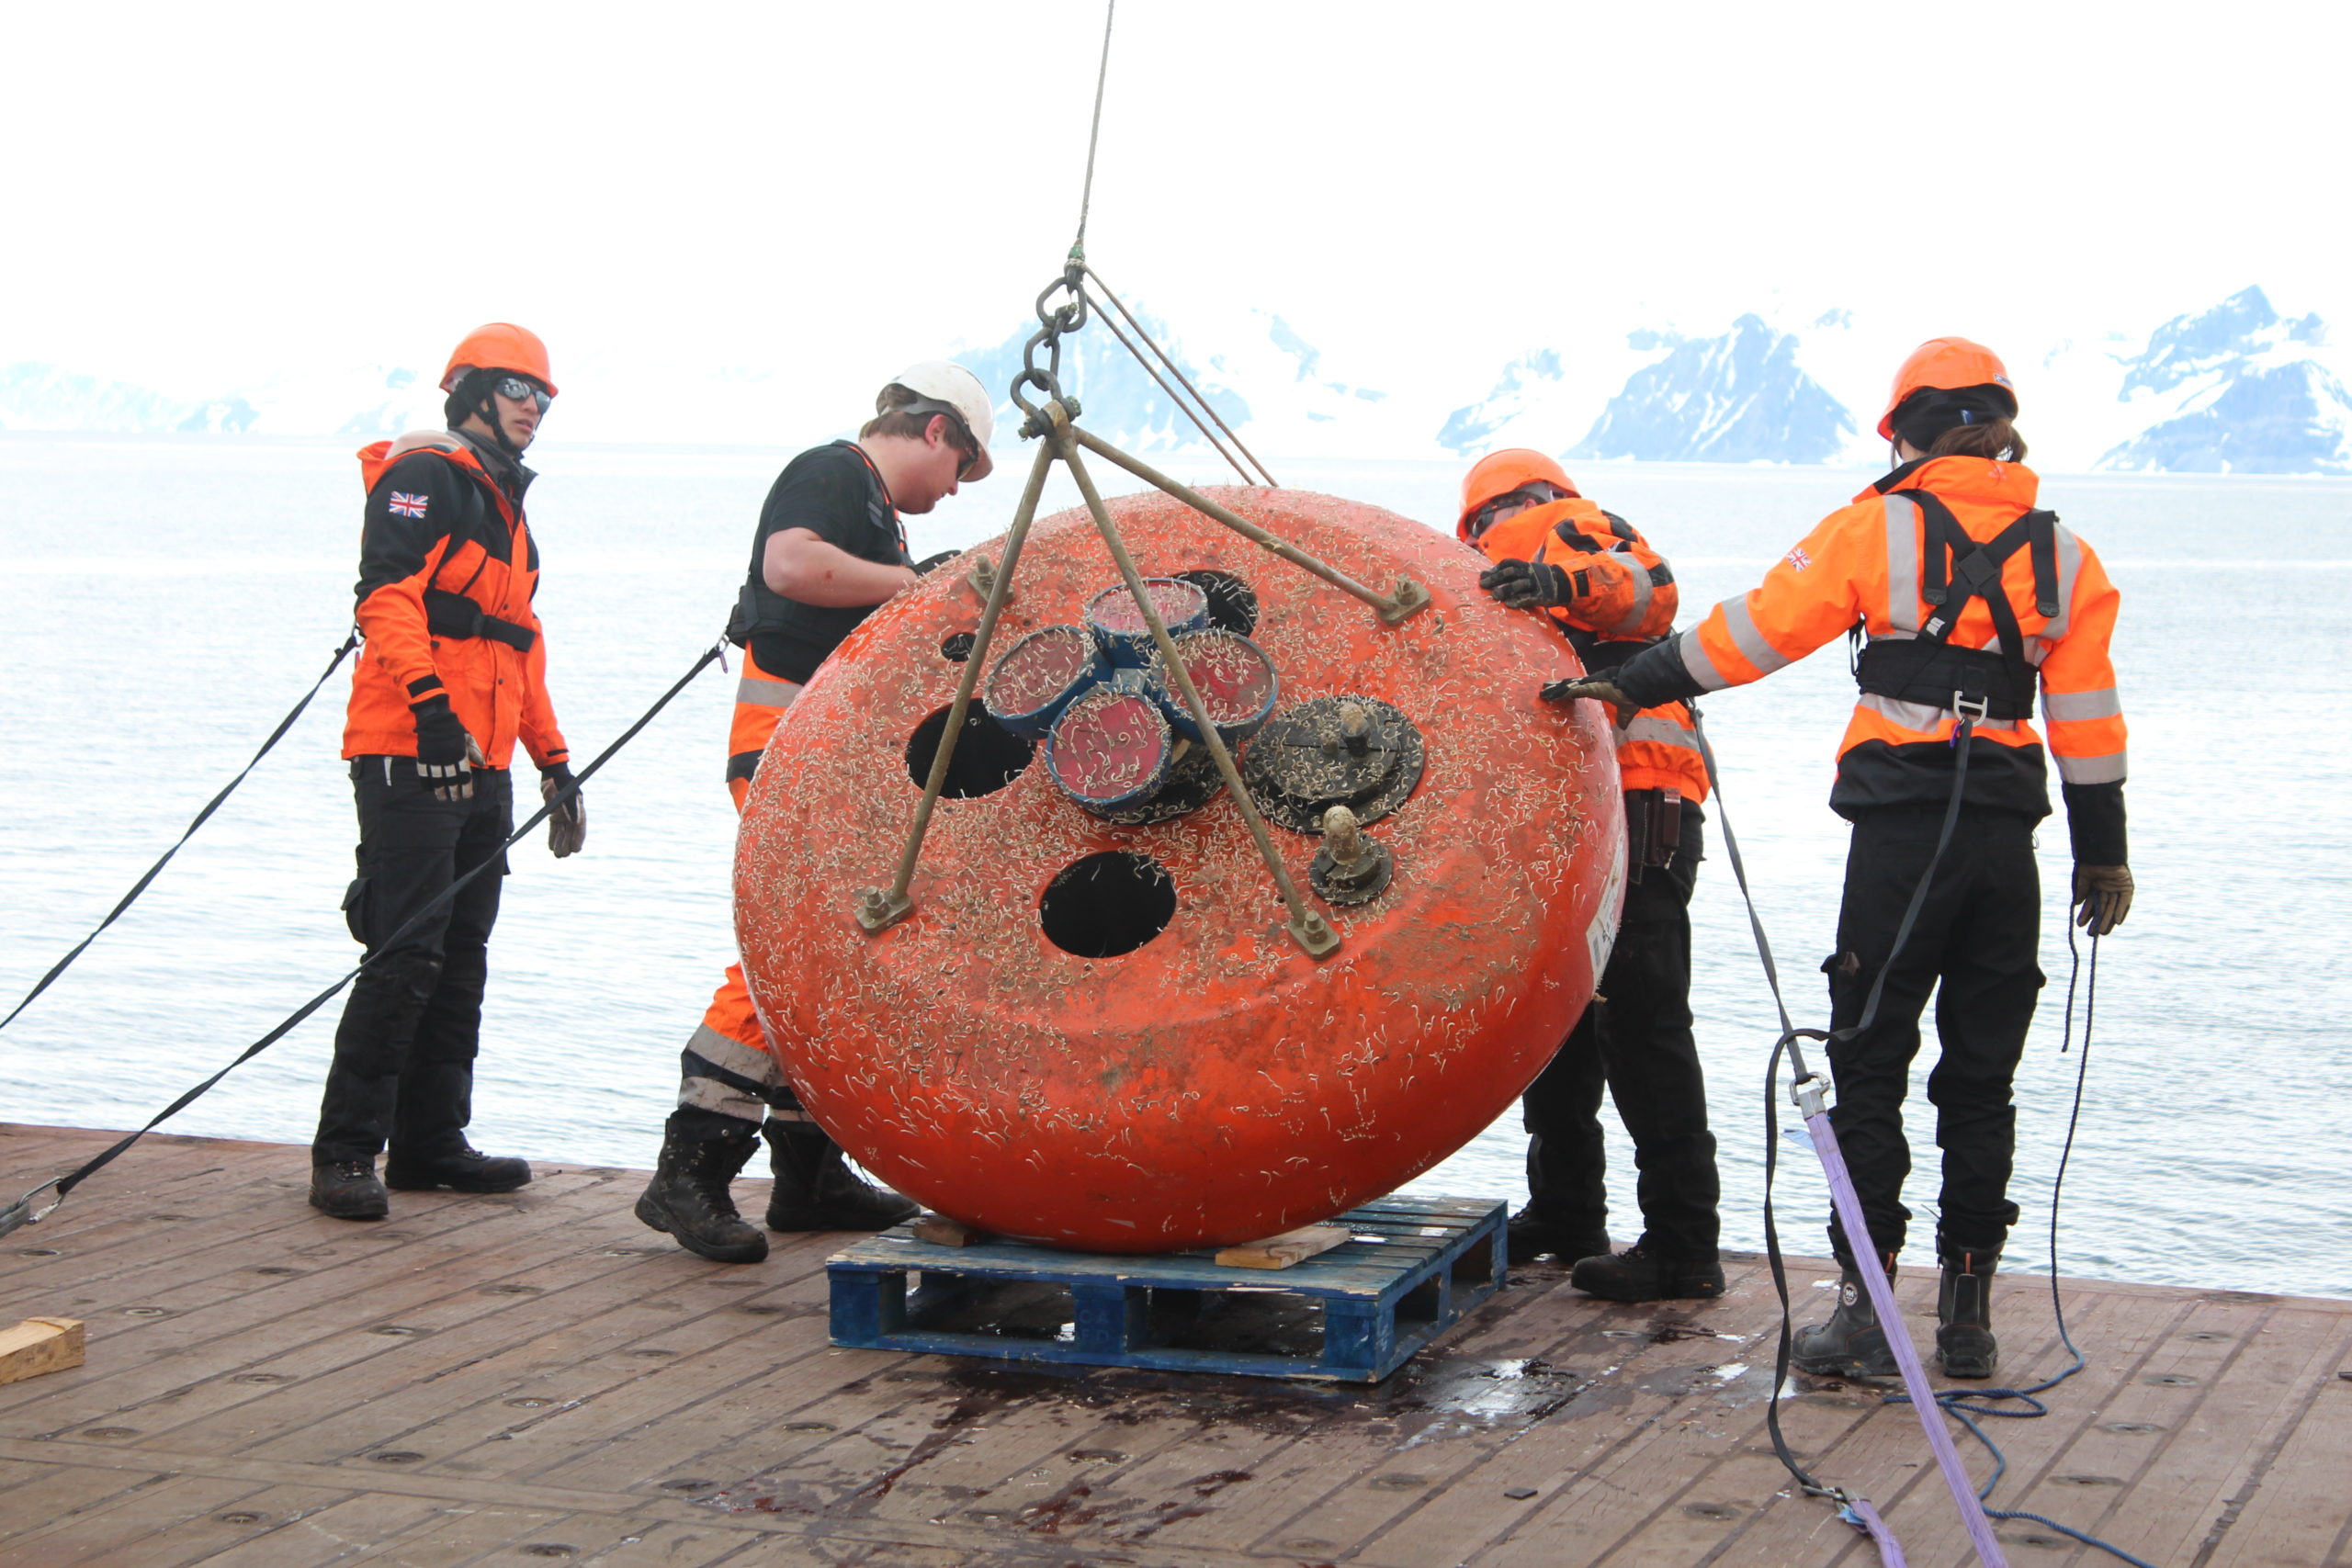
(1077, 269)
(22, 1213)
(1856, 1510)
(1261, 477)
(1093, 136)
(201, 817)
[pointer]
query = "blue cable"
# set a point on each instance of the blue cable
(1957, 1402)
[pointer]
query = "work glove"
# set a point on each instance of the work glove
(2104, 893)
(930, 564)
(567, 821)
(445, 754)
(1596, 688)
(1527, 584)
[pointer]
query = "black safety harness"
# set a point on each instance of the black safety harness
(460, 615)
(760, 610)
(1974, 682)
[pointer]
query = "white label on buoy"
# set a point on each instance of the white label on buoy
(1602, 935)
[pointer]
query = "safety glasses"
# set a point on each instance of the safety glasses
(968, 448)
(516, 389)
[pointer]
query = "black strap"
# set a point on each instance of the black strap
(1974, 570)
(23, 1212)
(1914, 670)
(201, 817)
(456, 614)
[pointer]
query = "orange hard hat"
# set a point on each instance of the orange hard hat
(1945, 364)
(1499, 473)
(499, 346)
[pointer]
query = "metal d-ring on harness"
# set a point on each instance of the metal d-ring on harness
(23, 1212)
(1050, 418)
(201, 817)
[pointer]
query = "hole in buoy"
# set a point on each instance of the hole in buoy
(957, 645)
(1107, 904)
(1233, 603)
(988, 756)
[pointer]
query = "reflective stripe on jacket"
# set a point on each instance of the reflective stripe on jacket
(1626, 600)
(437, 519)
(1864, 564)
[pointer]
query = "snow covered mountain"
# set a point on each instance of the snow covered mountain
(2238, 388)
(1118, 400)
(2246, 392)
(1524, 392)
(1296, 405)
(45, 397)
(372, 399)
(1739, 398)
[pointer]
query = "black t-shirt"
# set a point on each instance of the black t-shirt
(834, 493)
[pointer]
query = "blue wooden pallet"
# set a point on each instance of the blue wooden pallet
(1413, 1268)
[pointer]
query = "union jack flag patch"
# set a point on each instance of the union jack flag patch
(408, 505)
(1797, 558)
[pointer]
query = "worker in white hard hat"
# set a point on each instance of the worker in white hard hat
(830, 550)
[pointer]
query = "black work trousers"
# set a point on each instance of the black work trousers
(1977, 946)
(1635, 1037)
(403, 1068)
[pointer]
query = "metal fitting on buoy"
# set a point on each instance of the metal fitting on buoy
(1351, 867)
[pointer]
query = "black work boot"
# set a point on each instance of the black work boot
(347, 1190)
(701, 1151)
(1643, 1273)
(1964, 1341)
(467, 1169)
(1531, 1237)
(1852, 1344)
(815, 1189)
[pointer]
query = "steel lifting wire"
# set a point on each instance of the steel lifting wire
(1069, 317)
(1263, 476)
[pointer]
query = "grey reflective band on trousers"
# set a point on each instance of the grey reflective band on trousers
(758, 692)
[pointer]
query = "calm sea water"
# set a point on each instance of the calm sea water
(162, 602)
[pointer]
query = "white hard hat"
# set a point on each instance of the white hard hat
(941, 386)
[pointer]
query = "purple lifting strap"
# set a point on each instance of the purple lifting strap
(1859, 1513)
(1906, 1356)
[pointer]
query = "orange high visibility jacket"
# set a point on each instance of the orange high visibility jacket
(447, 571)
(1626, 600)
(1868, 565)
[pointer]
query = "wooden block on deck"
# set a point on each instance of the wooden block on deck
(941, 1230)
(1282, 1251)
(39, 1344)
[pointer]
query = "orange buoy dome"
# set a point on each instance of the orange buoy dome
(1098, 1034)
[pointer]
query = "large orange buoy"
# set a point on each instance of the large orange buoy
(1095, 1030)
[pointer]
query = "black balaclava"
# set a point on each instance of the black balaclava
(1926, 415)
(471, 396)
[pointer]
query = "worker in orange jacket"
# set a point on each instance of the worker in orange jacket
(830, 551)
(1968, 599)
(453, 675)
(1600, 583)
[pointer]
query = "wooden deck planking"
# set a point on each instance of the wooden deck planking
(543, 1417)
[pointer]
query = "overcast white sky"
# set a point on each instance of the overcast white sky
(198, 193)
